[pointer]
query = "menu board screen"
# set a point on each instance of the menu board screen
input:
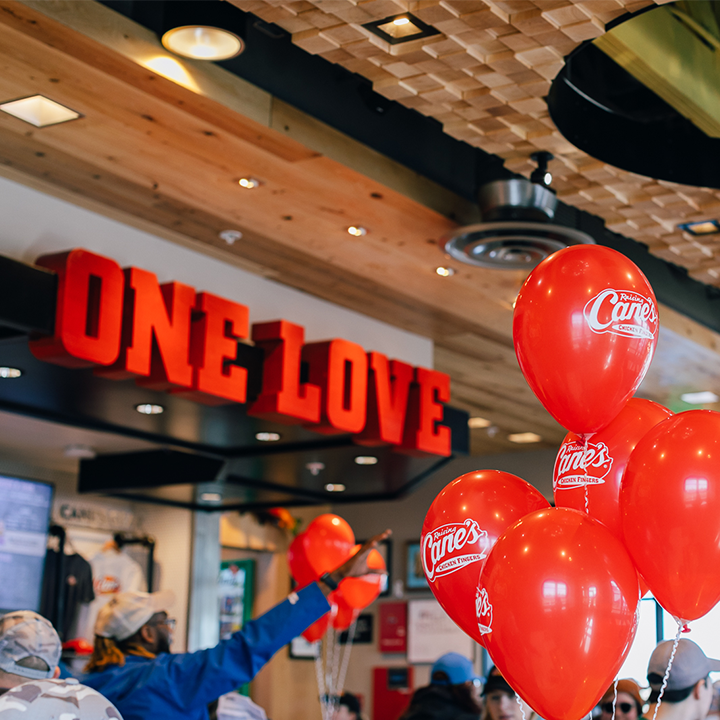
(24, 518)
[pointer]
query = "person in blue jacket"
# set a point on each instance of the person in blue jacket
(132, 666)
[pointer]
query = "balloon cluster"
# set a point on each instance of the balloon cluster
(552, 593)
(326, 544)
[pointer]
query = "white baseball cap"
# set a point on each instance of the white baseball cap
(127, 612)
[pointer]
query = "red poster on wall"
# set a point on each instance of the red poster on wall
(393, 627)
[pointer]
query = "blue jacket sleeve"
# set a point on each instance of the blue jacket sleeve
(203, 676)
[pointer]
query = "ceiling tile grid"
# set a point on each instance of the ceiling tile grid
(485, 76)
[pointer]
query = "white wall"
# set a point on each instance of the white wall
(35, 224)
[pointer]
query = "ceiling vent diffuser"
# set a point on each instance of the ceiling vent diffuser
(516, 232)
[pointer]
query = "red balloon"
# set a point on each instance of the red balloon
(598, 465)
(585, 329)
(670, 507)
(300, 567)
(558, 599)
(343, 615)
(317, 629)
(359, 592)
(460, 528)
(328, 543)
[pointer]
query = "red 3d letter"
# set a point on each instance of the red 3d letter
(422, 433)
(387, 400)
(156, 333)
(214, 336)
(284, 398)
(340, 368)
(88, 312)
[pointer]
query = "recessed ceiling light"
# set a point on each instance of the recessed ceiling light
(202, 42)
(267, 436)
(39, 111)
(366, 460)
(84, 452)
(10, 372)
(357, 230)
(445, 271)
(249, 183)
(706, 227)
(335, 487)
(400, 28)
(149, 409)
(526, 437)
(230, 236)
(478, 422)
(211, 497)
(699, 398)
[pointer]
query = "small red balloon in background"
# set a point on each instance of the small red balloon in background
(599, 463)
(585, 328)
(342, 614)
(670, 507)
(460, 528)
(359, 592)
(328, 543)
(557, 600)
(317, 629)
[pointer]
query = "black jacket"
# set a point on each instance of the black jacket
(435, 702)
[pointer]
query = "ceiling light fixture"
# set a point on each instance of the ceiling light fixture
(699, 398)
(445, 271)
(541, 175)
(249, 183)
(9, 373)
(202, 42)
(366, 460)
(478, 422)
(84, 452)
(230, 236)
(523, 438)
(357, 230)
(315, 467)
(39, 111)
(705, 227)
(149, 409)
(398, 29)
(335, 487)
(267, 436)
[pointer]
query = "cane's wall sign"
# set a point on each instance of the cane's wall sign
(125, 324)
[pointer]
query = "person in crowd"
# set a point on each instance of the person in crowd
(689, 692)
(714, 712)
(501, 702)
(132, 666)
(29, 649)
(628, 703)
(453, 692)
(348, 707)
(49, 699)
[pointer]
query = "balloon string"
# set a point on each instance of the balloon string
(522, 709)
(667, 672)
(346, 658)
(319, 672)
(615, 684)
(584, 464)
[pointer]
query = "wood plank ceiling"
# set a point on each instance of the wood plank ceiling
(166, 154)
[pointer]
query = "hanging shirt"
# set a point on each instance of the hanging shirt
(76, 588)
(180, 687)
(112, 572)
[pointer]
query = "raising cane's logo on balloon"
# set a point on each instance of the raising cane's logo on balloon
(483, 611)
(576, 465)
(453, 546)
(622, 312)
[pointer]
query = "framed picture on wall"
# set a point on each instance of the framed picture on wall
(414, 575)
(385, 549)
(301, 649)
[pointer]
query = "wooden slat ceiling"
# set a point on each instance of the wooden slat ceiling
(484, 78)
(166, 156)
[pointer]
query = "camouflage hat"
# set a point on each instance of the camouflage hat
(56, 700)
(25, 634)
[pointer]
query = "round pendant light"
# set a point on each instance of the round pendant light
(202, 42)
